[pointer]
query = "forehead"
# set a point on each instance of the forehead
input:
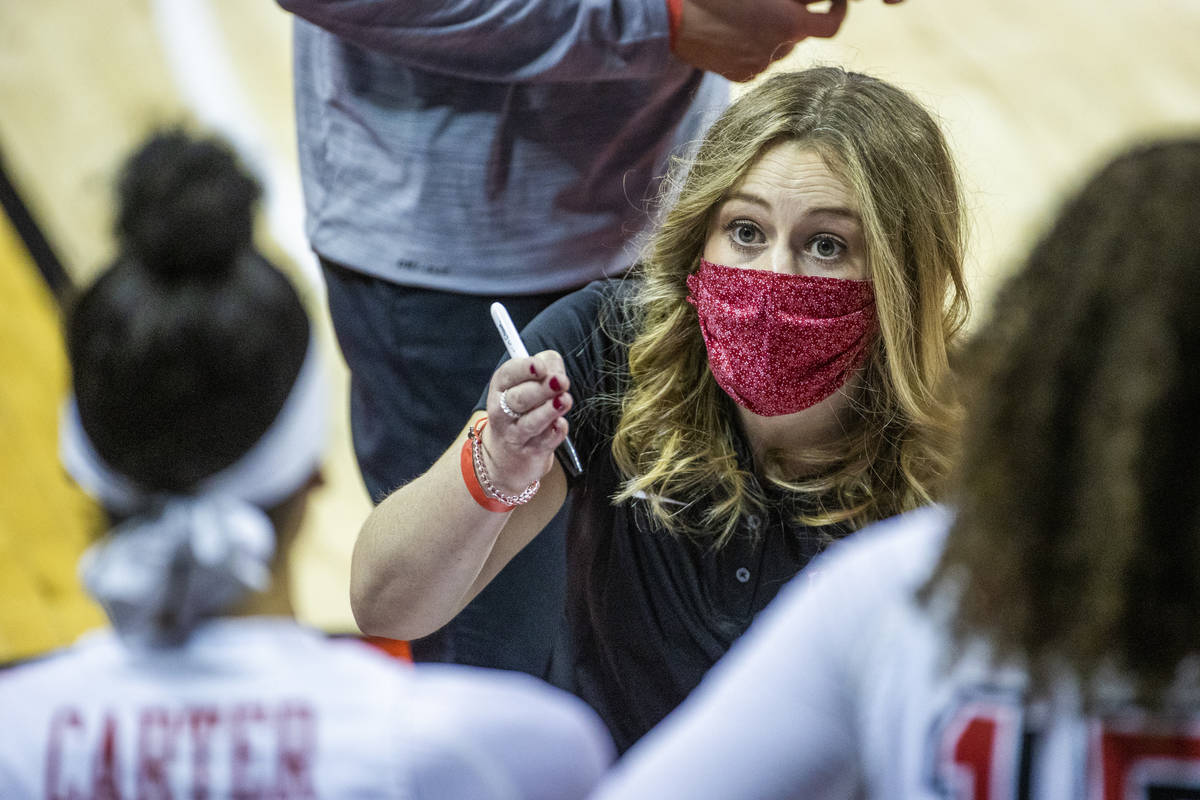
(796, 171)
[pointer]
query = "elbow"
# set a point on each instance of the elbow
(379, 609)
(305, 9)
(376, 601)
(372, 613)
(363, 608)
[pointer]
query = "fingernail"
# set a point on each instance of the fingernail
(558, 403)
(532, 369)
(555, 386)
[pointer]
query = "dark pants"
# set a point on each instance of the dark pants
(419, 361)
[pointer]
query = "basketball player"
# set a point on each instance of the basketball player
(197, 419)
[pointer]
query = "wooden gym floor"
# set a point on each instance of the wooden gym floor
(1032, 93)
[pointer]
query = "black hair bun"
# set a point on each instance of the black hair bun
(186, 206)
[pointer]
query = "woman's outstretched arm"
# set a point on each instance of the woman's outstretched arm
(430, 547)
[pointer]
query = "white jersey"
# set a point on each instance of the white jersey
(844, 689)
(263, 708)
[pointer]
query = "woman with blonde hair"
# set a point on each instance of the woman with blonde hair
(1039, 637)
(765, 382)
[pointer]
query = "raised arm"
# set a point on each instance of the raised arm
(427, 550)
(504, 40)
(575, 40)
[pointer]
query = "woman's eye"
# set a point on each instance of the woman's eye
(826, 247)
(745, 233)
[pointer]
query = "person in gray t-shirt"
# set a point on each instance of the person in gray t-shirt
(458, 152)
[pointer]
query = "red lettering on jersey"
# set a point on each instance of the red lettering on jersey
(1131, 762)
(157, 732)
(243, 718)
(974, 751)
(297, 745)
(979, 751)
(105, 781)
(979, 755)
(66, 721)
(202, 721)
(264, 752)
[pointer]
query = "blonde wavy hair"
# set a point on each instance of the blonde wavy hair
(676, 435)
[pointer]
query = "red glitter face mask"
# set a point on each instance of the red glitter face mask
(777, 343)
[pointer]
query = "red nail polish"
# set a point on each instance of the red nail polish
(532, 369)
(558, 403)
(555, 385)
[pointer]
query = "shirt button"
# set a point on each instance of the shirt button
(742, 574)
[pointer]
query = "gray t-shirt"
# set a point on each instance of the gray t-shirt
(489, 146)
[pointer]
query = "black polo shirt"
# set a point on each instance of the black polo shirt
(649, 611)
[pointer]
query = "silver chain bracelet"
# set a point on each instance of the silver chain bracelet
(485, 480)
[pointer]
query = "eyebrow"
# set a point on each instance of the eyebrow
(753, 199)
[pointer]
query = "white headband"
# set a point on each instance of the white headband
(183, 557)
(276, 466)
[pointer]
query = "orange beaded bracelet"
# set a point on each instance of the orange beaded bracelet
(479, 484)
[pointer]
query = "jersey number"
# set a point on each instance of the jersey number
(986, 753)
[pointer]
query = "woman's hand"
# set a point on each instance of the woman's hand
(524, 429)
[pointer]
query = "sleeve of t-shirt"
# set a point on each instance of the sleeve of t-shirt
(489, 734)
(779, 716)
(505, 40)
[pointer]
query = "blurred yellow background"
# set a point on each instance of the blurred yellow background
(1033, 93)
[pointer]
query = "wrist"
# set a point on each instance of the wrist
(479, 480)
(674, 17)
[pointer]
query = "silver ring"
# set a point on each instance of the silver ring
(506, 408)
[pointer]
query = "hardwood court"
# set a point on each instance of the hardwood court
(1033, 94)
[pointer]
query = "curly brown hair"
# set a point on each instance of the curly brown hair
(1077, 537)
